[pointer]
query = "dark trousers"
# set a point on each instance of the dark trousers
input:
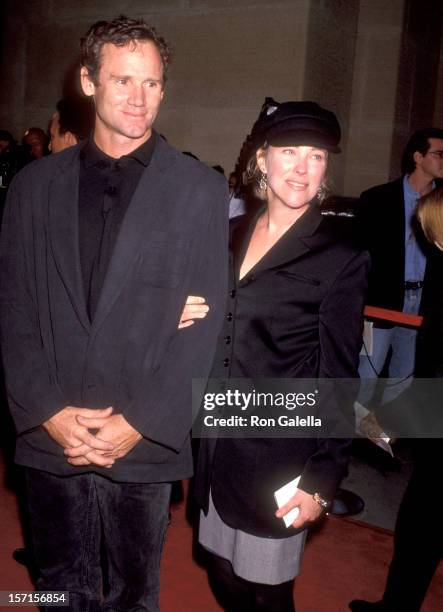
(73, 518)
(418, 542)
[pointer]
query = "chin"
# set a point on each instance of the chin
(298, 203)
(136, 133)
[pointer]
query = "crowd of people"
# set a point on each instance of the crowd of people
(121, 282)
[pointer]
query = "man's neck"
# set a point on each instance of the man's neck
(420, 182)
(116, 145)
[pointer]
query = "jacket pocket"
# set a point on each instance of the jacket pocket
(298, 277)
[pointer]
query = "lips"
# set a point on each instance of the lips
(296, 185)
(134, 115)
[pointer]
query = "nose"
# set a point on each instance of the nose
(301, 165)
(137, 95)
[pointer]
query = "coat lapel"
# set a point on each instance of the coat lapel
(298, 240)
(63, 229)
(140, 216)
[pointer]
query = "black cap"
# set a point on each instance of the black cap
(297, 124)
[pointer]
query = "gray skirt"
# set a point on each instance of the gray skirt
(264, 560)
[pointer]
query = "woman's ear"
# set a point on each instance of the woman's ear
(261, 160)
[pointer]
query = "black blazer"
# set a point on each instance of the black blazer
(172, 243)
(296, 314)
(381, 217)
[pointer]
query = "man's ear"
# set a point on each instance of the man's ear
(417, 157)
(88, 86)
(70, 139)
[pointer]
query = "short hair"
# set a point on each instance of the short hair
(419, 141)
(75, 116)
(430, 215)
(6, 136)
(253, 174)
(120, 32)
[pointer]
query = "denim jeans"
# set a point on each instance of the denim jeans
(402, 341)
(73, 518)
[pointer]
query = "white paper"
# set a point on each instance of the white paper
(283, 495)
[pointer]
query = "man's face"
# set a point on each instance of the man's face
(4, 146)
(128, 94)
(36, 145)
(431, 164)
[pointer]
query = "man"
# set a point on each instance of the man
(71, 123)
(398, 251)
(36, 141)
(101, 246)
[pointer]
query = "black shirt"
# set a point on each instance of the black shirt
(106, 187)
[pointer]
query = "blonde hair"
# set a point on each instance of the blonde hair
(430, 215)
(253, 173)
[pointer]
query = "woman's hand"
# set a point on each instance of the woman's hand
(195, 308)
(310, 510)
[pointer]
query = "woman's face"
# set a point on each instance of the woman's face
(294, 174)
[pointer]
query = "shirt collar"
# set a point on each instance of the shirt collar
(409, 190)
(92, 155)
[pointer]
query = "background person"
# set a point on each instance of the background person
(418, 541)
(73, 121)
(399, 254)
(294, 310)
(36, 142)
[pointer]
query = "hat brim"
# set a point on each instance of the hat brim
(279, 137)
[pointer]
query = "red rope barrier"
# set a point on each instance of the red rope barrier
(402, 318)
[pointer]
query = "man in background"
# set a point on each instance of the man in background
(399, 253)
(73, 121)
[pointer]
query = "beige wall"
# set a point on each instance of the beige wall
(229, 54)
(374, 88)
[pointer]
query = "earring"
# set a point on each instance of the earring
(263, 182)
(321, 192)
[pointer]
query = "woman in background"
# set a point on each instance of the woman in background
(418, 541)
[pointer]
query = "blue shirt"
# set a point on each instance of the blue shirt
(415, 260)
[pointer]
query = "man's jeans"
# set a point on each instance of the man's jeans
(73, 517)
(402, 341)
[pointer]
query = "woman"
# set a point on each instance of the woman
(294, 311)
(418, 538)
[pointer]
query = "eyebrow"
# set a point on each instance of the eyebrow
(128, 76)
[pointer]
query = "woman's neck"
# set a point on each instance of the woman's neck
(278, 219)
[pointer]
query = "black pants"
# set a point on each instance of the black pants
(418, 542)
(235, 594)
(72, 516)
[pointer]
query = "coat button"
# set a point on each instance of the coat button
(228, 339)
(232, 293)
(226, 362)
(229, 316)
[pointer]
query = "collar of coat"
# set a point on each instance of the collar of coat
(308, 233)
(153, 190)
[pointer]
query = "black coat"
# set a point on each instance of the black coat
(172, 243)
(297, 314)
(381, 217)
